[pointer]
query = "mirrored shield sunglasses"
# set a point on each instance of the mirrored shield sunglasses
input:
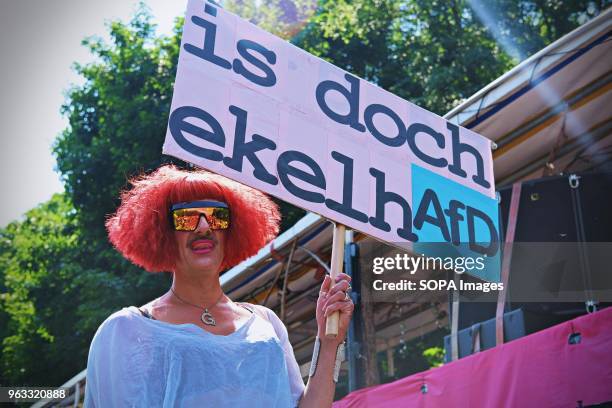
(186, 216)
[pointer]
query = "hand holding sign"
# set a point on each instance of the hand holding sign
(334, 307)
(337, 263)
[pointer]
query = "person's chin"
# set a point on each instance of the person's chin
(205, 260)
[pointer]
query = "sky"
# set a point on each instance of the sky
(39, 42)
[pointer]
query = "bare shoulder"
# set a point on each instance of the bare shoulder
(271, 317)
(119, 316)
(116, 321)
(261, 310)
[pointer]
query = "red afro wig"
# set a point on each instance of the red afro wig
(141, 230)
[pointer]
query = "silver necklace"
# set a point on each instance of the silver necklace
(206, 317)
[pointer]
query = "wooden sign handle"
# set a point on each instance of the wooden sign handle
(337, 263)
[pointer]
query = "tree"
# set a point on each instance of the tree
(525, 27)
(117, 118)
(52, 302)
(35, 260)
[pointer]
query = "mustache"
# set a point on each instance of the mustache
(208, 236)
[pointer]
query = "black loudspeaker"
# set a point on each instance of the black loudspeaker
(562, 256)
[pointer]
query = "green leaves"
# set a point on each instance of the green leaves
(56, 292)
(32, 258)
(434, 356)
(117, 118)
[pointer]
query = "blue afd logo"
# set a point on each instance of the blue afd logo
(454, 221)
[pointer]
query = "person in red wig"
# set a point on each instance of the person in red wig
(193, 346)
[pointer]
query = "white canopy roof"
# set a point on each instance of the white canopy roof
(553, 107)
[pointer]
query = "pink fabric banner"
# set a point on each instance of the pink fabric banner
(539, 370)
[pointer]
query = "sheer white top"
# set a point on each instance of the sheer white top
(135, 361)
